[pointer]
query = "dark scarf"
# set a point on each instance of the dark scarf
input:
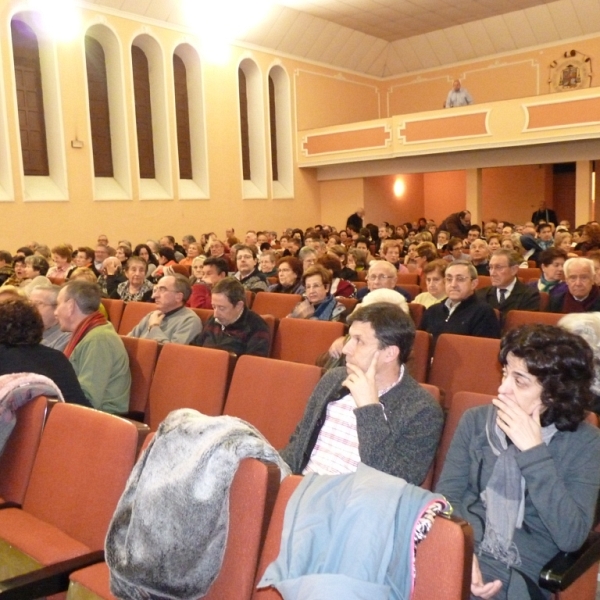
(91, 322)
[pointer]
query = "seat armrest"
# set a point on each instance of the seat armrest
(562, 570)
(47, 580)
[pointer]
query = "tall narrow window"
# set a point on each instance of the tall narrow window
(273, 127)
(143, 113)
(244, 130)
(182, 113)
(98, 105)
(30, 100)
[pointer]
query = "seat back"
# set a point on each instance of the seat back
(418, 362)
(133, 313)
(544, 301)
(468, 363)
(16, 461)
(516, 318)
(114, 310)
(80, 470)
(303, 340)
(416, 312)
(525, 274)
(413, 289)
(250, 295)
(204, 313)
(443, 574)
(187, 377)
(451, 581)
(271, 395)
(251, 498)
(142, 361)
(461, 402)
(278, 305)
(349, 304)
(407, 279)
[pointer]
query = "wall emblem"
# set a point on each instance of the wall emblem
(573, 71)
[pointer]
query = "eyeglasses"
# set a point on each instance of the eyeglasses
(457, 278)
(379, 277)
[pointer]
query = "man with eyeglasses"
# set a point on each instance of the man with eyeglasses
(382, 274)
(462, 312)
(582, 294)
(43, 297)
(171, 322)
(507, 292)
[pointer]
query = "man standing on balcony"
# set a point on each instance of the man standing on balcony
(458, 96)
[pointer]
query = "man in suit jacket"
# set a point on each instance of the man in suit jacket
(544, 214)
(507, 292)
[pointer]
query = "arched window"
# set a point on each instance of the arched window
(99, 107)
(143, 113)
(182, 114)
(280, 122)
(252, 130)
(30, 101)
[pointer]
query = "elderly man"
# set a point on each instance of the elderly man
(458, 96)
(461, 313)
(479, 252)
(308, 256)
(370, 411)
(234, 327)
(95, 350)
(507, 292)
(248, 273)
(582, 295)
(457, 224)
(43, 297)
(171, 322)
(168, 241)
(382, 274)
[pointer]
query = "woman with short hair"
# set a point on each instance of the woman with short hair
(289, 274)
(523, 471)
(137, 288)
(318, 303)
(62, 255)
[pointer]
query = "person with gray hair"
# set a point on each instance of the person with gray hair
(587, 325)
(43, 297)
(172, 321)
(95, 350)
(582, 294)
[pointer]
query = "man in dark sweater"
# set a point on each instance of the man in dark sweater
(234, 327)
(462, 313)
(371, 411)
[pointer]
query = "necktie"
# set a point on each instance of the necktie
(502, 295)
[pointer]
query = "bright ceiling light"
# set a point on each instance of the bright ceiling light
(59, 19)
(219, 22)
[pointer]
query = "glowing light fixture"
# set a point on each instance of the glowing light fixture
(59, 19)
(399, 188)
(220, 22)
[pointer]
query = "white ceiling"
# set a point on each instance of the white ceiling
(384, 38)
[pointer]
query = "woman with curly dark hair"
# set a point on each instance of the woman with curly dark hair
(523, 471)
(144, 251)
(289, 274)
(21, 329)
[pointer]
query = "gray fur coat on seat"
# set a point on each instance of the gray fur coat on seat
(167, 536)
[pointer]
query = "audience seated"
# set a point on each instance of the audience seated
(172, 321)
(434, 273)
(289, 273)
(211, 272)
(582, 294)
(338, 286)
(318, 303)
(144, 252)
(34, 273)
(462, 313)
(111, 275)
(137, 288)
(234, 327)
(552, 281)
(248, 273)
(95, 350)
(21, 351)
(371, 411)
(62, 256)
(523, 471)
(479, 252)
(507, 292)
(382, 274)
(43, 297)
